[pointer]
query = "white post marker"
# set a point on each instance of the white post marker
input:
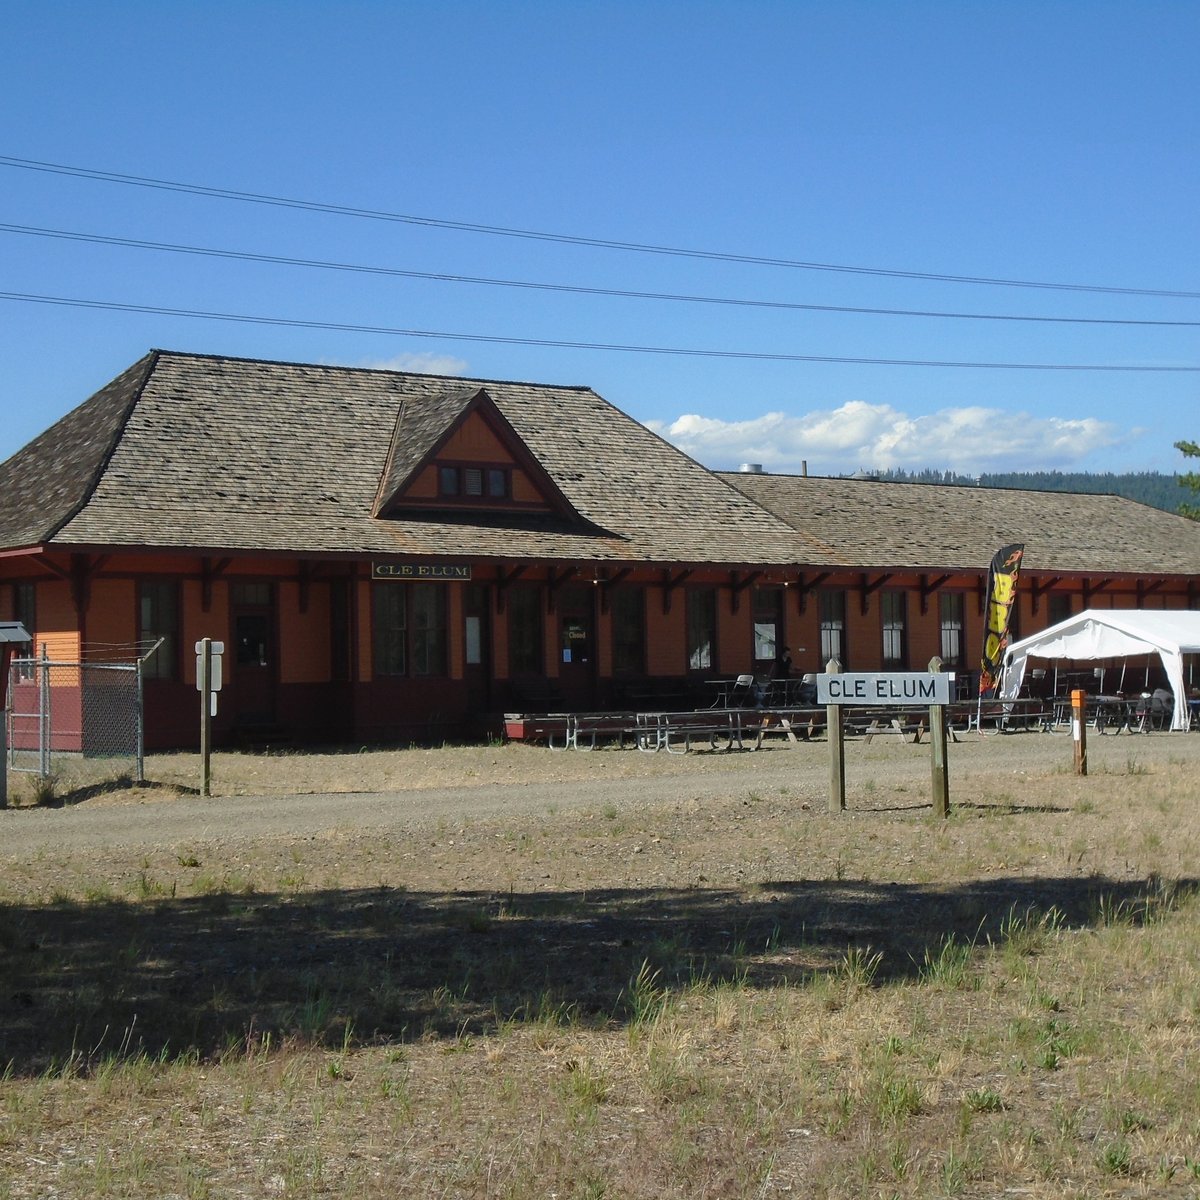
(208, 684)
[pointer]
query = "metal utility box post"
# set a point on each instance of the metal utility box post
(208, 684)
(12, 635)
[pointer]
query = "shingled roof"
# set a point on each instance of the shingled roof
(187, 451)
(866, 523)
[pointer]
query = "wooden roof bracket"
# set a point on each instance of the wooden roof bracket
(1090, 589)
(607, 581)
(306, 572)
(555, 580)
(927, 589)
(1145, 589)
(505, 580)
(738, 586)
(866, 589)
(670, 583)
(1038, 588)
(83, 569)
(804, 586)
(208, 572)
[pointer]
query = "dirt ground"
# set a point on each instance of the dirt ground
(411, 792)
(501, 971)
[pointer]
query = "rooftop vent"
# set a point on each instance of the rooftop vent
(751, 468)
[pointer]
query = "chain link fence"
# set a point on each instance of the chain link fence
(64, 711)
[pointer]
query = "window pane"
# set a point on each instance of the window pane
(448, 481)
(833, 627)
(388, 632)
(158, 617)
(768, 624)
(498, 484)
(25, 611)
(250, 594)
(428, 629)
(628, 630)
(473, 637)
(894, 611)
(525, 630)
(701, 628)
(950, 608)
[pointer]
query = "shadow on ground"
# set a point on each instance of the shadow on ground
(80, 982)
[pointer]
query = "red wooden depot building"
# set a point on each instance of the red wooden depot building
(390, 556)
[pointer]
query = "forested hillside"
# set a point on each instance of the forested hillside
(1149, 487)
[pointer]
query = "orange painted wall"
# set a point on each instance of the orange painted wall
(474, 441)
(735, 634)
(362, 597)
(304, 654)
(197, 624)
(112, 616)
(666, 634)
(57, 625)
(500, 644)
(425, 485)
(523, 490)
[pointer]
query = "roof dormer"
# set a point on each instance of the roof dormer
(457, 453)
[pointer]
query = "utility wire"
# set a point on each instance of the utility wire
(196, 189)
(573, 289)
(390, 331)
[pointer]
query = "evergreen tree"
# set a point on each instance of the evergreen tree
(1191, 480)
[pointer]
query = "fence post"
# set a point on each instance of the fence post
(44, 714)
(837, 747)
(6, 687)
(140, 734)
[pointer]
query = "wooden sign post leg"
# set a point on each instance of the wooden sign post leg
(937, 742)
(837, 749)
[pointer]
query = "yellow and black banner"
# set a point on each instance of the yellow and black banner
(1002, 590)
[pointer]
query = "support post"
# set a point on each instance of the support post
(837, 748)
(1079, 729)
(937, 742)
(204, 684)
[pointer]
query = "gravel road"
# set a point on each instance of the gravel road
(473, 783)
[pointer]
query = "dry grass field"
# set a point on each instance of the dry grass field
(499, 971)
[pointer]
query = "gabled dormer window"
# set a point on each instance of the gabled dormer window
(466, 484)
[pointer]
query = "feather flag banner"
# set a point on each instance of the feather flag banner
(1002, 590)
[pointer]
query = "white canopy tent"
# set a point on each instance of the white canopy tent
(1100, 633)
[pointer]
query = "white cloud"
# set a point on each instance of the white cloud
(424, 364)
(857, 435)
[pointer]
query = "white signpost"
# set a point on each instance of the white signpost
(886, 689)
(208, 684)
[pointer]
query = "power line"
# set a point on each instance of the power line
(573, 289)
(760, 356)
(196, 189)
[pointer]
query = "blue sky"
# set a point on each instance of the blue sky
(1037, 142)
